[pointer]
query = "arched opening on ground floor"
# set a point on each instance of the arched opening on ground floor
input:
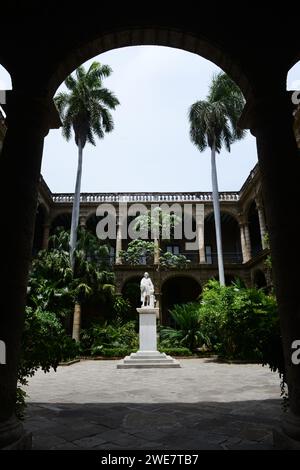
(132, 293)
(259, 279)
(177, 290)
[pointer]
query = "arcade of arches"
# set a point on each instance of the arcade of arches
(250, 59)
(243, 236)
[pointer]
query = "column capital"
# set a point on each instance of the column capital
(259, 202)
(243, 222)
(31, 110)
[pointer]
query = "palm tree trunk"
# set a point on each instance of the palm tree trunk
(76, 321)
(217, 216)
(76, 206)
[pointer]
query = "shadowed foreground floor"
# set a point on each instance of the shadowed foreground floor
(203, 405)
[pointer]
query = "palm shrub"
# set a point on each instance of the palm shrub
(188, 331)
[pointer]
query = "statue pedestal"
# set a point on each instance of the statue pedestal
(147, 355)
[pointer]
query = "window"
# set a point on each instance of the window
(208, 254)
(174, 249)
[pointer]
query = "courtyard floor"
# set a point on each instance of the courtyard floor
(203, 405)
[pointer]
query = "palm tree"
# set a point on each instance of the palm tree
(214, 123)
(86, 110)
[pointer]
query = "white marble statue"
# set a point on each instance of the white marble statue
(147, 292)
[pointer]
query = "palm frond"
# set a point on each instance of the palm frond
(86, 107)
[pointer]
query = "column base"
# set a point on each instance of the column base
(148, 360)
(282, 441)
(287, 436)
(24, 443)
(13, 436)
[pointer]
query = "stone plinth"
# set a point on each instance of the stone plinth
(147, 355)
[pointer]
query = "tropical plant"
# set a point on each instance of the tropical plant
(55, 287)
(99, 337)
(137, 252)
(214, 123)
(86, 110)
(169, 260)
(121, 309)
(187, 331)
(162, 225)
(44, 345)
(242, 323)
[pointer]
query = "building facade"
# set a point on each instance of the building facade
(244, 238)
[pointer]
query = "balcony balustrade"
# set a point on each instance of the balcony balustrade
(66, 198)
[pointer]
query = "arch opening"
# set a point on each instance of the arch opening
(177, 290)
(231, 242)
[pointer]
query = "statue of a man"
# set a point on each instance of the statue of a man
(147, 291)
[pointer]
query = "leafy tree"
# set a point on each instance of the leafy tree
(44, 345)
(137, 251)
(86, 110)
(169, 260)
(55, 286)
(214, 124)
(242, 323)
(160, 223)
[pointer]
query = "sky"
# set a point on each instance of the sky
(150, 148)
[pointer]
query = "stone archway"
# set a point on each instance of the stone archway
(259, 279)
(31, 114)
(62, 220)
(231, 241)
(177, 289)
(131, 292)
(148, 35)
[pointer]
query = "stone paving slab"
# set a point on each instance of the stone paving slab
(203, 405)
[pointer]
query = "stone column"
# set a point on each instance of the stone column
(200, 233)
(262, 223)
(28, 120)
(245, 241)
(119, 241)
(271, 121)
(46, 233)
(156, 251)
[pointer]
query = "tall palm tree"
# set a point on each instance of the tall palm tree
(86, 110)
(214, 123)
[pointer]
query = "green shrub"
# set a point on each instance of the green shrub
(137, 250)
(121, 309)
(169, 260)
(109, 336)
(44, 345)
(111, 352)
(188, 331)
(242, 323)
(175, 351)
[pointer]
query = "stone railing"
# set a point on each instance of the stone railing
(66, 198)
